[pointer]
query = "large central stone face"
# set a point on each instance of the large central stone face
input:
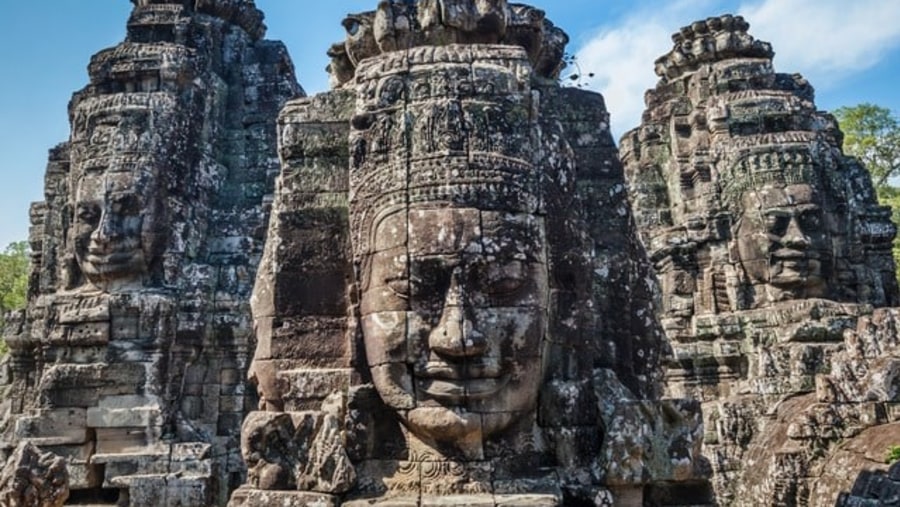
(456, 322)
(452, 253)
(431, 307)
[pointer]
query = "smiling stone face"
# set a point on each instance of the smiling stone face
(116, 219)
(782, 241)
(455, 317)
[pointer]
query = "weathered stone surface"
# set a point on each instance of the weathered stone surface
(137, 332)
(31, 478)
(770, 252)
(296, 450)
(453, 304)
(448, 231)
(396, 26)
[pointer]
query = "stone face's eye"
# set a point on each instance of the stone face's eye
(500, 279)
(399, 286)
(777, 223)
(810, 220)
(126, 205)
(87, 212)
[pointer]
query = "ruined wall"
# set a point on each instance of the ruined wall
(131, 357)
(771, 252)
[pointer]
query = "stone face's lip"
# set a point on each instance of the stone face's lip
(464, 371)
(458, 391)
(790, 255)
(111, 258)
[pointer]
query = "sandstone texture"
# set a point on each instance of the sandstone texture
(774, 268)
(439, 284)
(449, 230)
(129, 363)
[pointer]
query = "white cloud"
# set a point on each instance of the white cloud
(621, 56)
(825, 40)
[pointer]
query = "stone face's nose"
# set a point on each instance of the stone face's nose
(454, 336)
(107, 229)
(794, 236)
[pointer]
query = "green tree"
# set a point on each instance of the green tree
(872, 134)
(13, 277)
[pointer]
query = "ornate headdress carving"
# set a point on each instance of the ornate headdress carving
(442, 153)
(767, 165)
(708, 41)
(398, 26)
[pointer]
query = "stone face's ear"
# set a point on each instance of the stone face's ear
(385, 27)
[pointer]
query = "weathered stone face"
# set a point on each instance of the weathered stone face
(769, 247)
(124, 153)
(132, 354)
(454, 320)
(116, 228)
(782, 241)
(437, 277)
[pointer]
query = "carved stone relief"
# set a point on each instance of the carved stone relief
(770, 250)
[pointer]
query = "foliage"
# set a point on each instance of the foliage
(13, 277)
(893, 454)
(872, 134)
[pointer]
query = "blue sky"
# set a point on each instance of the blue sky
(849, 51)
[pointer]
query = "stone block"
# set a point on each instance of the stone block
(65, 426)
(82, 385)
(169, 491)
(119, 468)
(88, 333)
(317, 341)
(119, 413)
(78, 452)
(527, 500)
(314, 384)
(392, 501)
(245, 497)
(486, 500)
(129, 440)
(84, 475)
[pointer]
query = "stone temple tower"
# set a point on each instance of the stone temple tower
(453, 307)
(130, 360)
(771, 252)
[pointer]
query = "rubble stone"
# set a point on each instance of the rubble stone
(31, 478)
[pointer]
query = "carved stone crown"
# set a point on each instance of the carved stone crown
(709, 41)
(434, 150)
(484, 181)
(399, 26)
(242, 13)
(768, 166)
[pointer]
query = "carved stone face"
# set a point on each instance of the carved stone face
(454, 316)
(782, 241)
(115, 222)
